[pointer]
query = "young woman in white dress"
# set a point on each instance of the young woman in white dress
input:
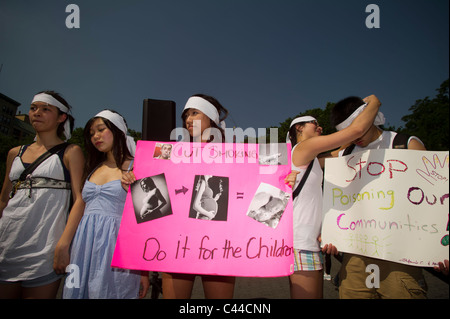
(38, 219)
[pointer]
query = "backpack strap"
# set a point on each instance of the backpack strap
(40, 159)
(303, 181)
(400, 141)
(22, 150)
(348, 149)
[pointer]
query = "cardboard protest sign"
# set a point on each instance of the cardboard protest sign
(219, 209)
(389, 204)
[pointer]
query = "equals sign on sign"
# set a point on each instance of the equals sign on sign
(239, 195)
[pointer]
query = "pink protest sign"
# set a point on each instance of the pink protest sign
(219, 209)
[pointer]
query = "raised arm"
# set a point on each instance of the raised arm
(312, 147)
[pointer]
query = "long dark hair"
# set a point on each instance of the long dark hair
(95, 157)
(69, 118)
(293, 133)
(223, 114)
(214, 183)
(147, 184)
(344, 108)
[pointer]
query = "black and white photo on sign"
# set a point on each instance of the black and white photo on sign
(209, 198)
(151, 198)
(273, 154)
(268, 205)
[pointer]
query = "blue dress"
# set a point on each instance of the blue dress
(93, 247)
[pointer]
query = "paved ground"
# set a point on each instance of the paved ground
(278, 288)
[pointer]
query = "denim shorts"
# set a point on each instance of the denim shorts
(37, 282)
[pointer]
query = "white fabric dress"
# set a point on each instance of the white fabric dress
(31, 226)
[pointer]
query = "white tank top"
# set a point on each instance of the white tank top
(31, 226)
(308, 208)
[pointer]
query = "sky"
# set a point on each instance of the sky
(264, 60)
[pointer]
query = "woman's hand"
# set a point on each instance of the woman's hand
(128, 178)
(145, 284)
(328, 248)
(372, 99)
(61, 258)
(442, 267)
(291, 178)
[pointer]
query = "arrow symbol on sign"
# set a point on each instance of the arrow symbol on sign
(182, 190)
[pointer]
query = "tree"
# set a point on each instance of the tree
(322, 116)
(135, 134)
(429, 120)
(77, 138)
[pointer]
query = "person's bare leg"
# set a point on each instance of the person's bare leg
(42, 292)
(10, 291)
(306, 284)
(218, 287)
(177, 286)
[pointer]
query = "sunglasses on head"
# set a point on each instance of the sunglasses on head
(313, 122)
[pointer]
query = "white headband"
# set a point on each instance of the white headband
(299, 120)
(196, 102)
(379, 119)
(119, 122)
(47, 98)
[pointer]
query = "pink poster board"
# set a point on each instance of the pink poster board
(219, 209)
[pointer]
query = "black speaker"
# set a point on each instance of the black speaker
(158, 120)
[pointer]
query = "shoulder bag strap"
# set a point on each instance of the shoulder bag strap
(40, 159)
(400, 141)
(303, 181)
(348, 150)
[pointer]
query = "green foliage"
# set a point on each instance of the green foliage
(136, 135)
(429, 120)
(322, 116)
(77, 138)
